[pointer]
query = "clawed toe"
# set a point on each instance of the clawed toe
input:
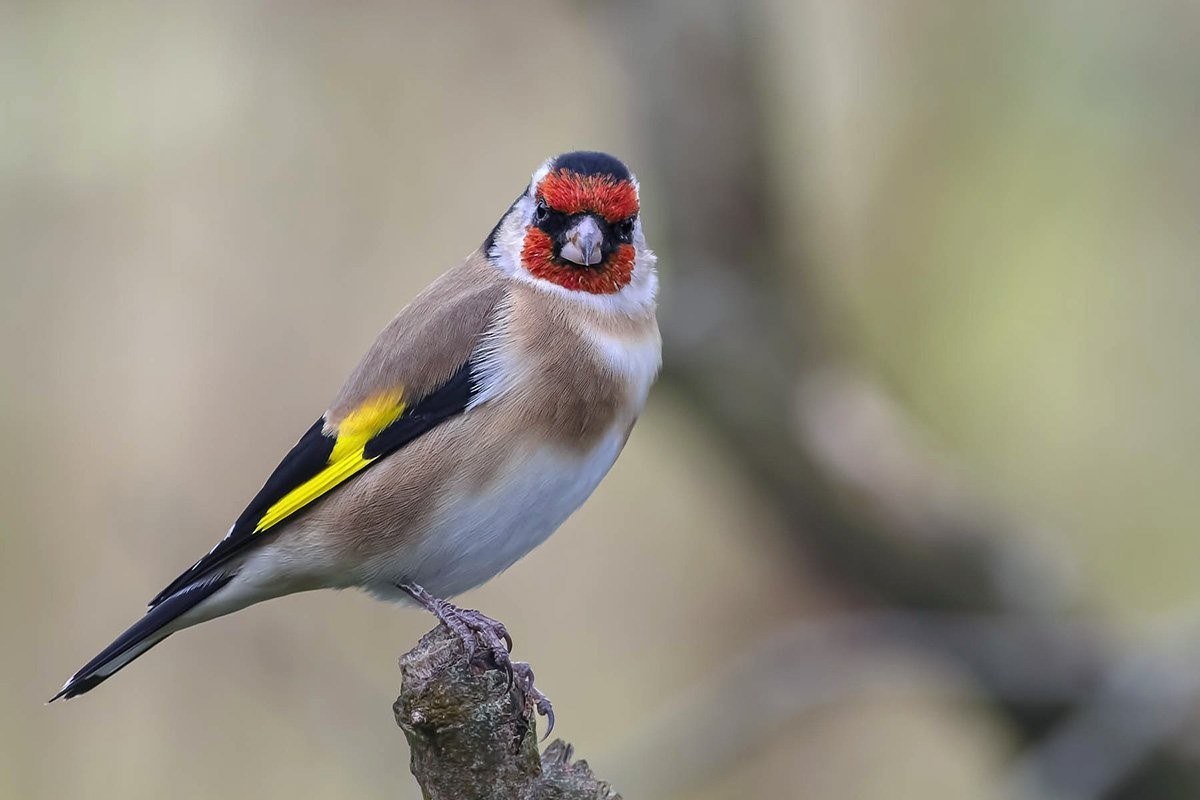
(524, 684)
(492, 634)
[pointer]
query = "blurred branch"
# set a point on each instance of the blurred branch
(471, 739)
(810, 665)
(752, 359)
(1148, 702)
(750, 351)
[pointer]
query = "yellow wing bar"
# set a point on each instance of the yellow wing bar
(353, 433)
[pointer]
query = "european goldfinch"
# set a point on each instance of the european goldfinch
(483, 415)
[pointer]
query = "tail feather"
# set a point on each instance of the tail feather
(141, 636)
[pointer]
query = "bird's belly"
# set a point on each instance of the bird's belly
(475, 534)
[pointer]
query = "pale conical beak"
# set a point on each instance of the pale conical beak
(583, 243)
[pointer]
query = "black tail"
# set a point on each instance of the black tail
(144, 634)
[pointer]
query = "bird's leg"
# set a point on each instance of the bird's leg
(468, 625)
(471, 626)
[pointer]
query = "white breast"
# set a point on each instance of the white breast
(636, 360)
(478, 534)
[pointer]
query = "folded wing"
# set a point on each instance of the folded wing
(418, 373)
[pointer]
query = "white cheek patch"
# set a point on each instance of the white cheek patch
(509, 240)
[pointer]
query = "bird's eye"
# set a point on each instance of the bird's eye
(625, 228)
(542, 212)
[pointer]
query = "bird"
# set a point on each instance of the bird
(484, 414)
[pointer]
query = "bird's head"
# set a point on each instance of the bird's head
(577, 229)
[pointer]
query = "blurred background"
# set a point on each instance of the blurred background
(911, 514)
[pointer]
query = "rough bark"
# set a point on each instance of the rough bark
(473, 738)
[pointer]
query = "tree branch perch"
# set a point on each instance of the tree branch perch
(473, 738)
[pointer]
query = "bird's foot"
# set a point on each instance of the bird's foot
(474, 628)
(524, 682)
